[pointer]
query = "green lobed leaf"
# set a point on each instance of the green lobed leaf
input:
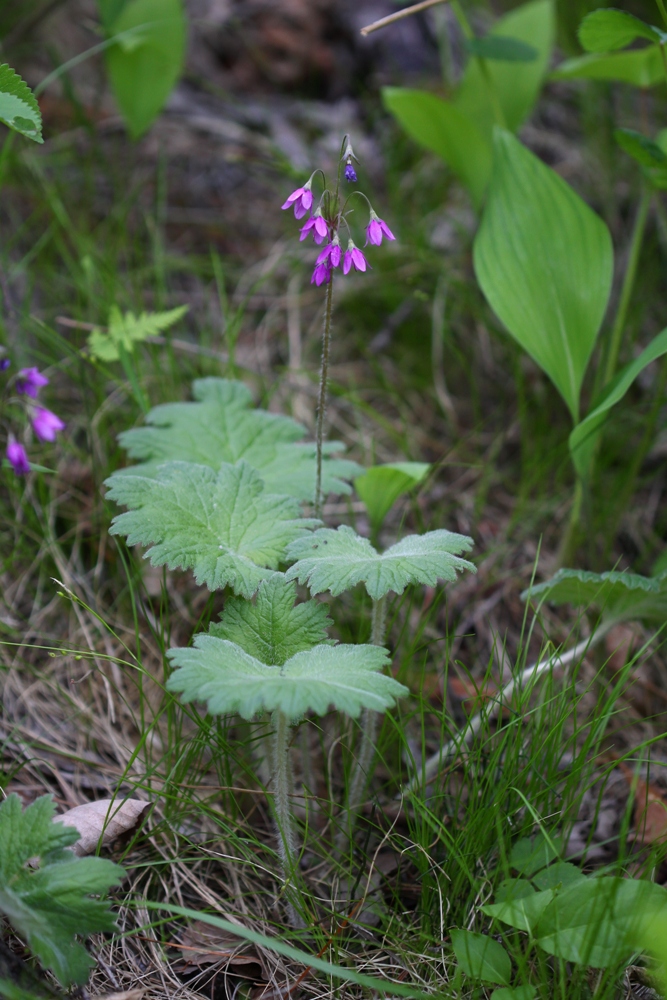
(18, 106)
(609, 29)
(583, 438)
(619, 596)
(222, 525)
(544, 261)
(501, 48)
(381, 486)
(126, 331)
(145, 64)
(49, 904)
(481, 957)
(274, 628)
(221, 673)
(337, 560)
(221, 426)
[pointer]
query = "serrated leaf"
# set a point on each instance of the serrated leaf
(222, 525)
(221, 426)
(274, 628)
(529, 855)
(50, 904)
(609, 29)
(559, 876)
(481, 957)
(639, 67)
(126, 331)
(338, 560)
(544, 261)
(619, 596)
(380, 487)
(501, 48)
(18, 106)
(230, 680)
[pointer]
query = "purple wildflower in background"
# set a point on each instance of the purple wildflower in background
(30, 382)
(46, 424)
(350, 173)
(318, 226)
(354, 256)
(321, 274)
(4, 364)
(331, 254)
(17, 457)
(302, 199)
(376, 229)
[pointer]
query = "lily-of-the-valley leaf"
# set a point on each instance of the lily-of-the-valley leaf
(619, 596)
(221, 524)
(222, 426)
(609, 29)
(336, 560)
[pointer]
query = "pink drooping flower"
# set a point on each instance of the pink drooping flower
(302, 199)
(354, 257)
(331, 254)
(321, 274)
(46, 424)
(30, 381)
(376, 229)
(17, 457)
(317, 226)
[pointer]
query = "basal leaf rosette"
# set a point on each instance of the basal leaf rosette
(337, 560)
(222, 524)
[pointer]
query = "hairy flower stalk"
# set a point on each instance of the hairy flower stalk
(282, 789)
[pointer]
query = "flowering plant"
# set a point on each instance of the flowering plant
(45, 424)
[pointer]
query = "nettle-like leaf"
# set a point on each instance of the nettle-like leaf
(49, 904)
(274, 628)
(124, 332)
(619, 596)
(338, 560)
(221, 426)
(222, 525)
(18, 107)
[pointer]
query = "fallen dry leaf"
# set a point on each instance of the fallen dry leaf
(203, 945)
(650, 809)
(107, 819)
(124, 995)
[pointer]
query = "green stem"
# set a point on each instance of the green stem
(469, 34)
(663, 11)
(571, 537)
(322, 398)
(282, 788)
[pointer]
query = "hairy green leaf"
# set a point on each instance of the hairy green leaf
(338, 560)
(18, 106)
(544, 261)
(274, 628)
(481, 957)
(126, 331)
(222, 674)
(619, 596)
(221, 426)
(222, 525)
(381, 486)
(609, 29)
(146, 62)
(49, 904)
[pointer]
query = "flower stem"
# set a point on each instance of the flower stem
(282, 787)
(322, 398)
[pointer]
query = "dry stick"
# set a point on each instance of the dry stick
(400, 14)
(529, 675)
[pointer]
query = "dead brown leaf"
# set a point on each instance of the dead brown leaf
(650, 809)
(203, 946)
(107, 819)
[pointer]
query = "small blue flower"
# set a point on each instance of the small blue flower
(350, 172)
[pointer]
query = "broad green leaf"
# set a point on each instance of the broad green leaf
(523, 912)
(481, 957)
(381, 486)
(50, 903)
(544, 261)
(146, 63)
(502, 49)
(513, 888)
(514, 993)
(274, 628)
(439, 126)
(516, 86)
(561, 875)
(609, 29)
(126, 331)
(619, 596)
(346, 678)
(110, 10)
(640, 67)
(222, 525)
(640, 148)
(529, 855)
(594, 923)
(338, 560)
(221, 426)
(18, 107)
(584, 436)
(651, 936)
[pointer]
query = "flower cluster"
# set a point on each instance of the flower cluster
(45, 424)
(327, 219)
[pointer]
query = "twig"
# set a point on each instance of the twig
(529, 675)
(400, 14)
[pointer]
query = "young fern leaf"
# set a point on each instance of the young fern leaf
(126, 331)
(221, 426)
(222, 525)
(338, 560)
(18, 106)
(50, 904)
